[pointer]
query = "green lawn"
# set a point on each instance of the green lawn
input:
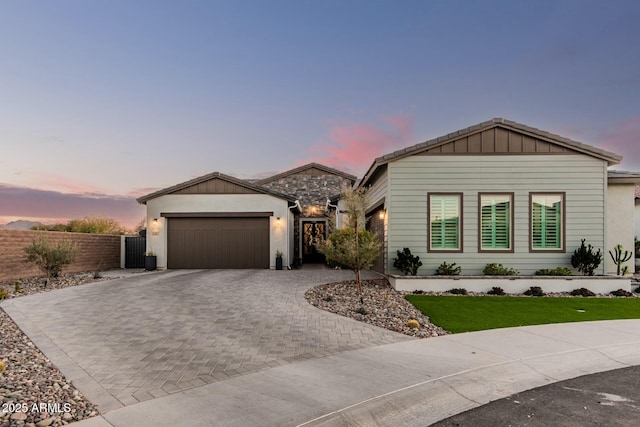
(467, 313)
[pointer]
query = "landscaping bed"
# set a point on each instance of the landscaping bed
(33, 391)
(381, 306)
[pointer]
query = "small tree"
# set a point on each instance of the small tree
(51, 259)
(95, 225)
(585, 259)
(352, 247)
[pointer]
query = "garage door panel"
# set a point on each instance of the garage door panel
(218, 243)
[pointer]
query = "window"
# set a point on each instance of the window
(496, 222)
(547, 221)
(445, 222)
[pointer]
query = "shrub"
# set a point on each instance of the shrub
(51, 259)
(558, 271)
(621, 293)
(413, 324)
(534, 291)
(499, 270)
(406, 262)
(16, 288)
(637, 291)
(3, 366)
(496, 290)
(418, 292)
(582, 292)
(448, 270)
(361, 310)
(328, 298)
(3, 294)
(458, 291)
(585, 260)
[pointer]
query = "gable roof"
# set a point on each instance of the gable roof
(250, 187)
(554, 140)
(306, 168)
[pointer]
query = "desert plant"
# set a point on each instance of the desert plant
(496, 290)
(585, 259)
(448, 270)
(619, 257)
(3, 294)
(621, 293)
(413, 324)
(499, 270)
(406, 262)
(97, 275)
(279, 254)
(16, 288)
(51, 259)
(458, 291)
(558, 271)
(534, 291)
(361, 310)
(582, 292)
(3, 366)
(328, 298)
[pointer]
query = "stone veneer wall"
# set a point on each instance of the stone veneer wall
(312, 191)
(94, 251)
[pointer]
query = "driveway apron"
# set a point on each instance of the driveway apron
(128, 340)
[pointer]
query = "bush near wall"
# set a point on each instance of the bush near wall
(94, 251)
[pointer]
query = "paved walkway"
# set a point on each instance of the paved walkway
(342, 372)
(151, 335)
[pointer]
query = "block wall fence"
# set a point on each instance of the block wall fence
(94, 252)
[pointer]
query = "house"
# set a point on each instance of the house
(637, 213)
(499, 192)
(219, 221)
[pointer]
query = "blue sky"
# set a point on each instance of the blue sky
(102, 101)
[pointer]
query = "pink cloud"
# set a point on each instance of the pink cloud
(354, 146)
(624, 139)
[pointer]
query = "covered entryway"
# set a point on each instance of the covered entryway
(313, 231)
(220, 242)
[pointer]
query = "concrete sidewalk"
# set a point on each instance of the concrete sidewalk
(412, 383)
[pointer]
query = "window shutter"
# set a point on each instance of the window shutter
(546, 222)
(444, 219)
(495, 222)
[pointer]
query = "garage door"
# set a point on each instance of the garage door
(218, 243)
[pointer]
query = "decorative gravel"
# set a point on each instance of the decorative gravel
(33, 392)
(381, 306)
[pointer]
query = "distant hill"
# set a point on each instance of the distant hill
(20, 225)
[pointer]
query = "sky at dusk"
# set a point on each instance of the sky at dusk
(103, 101)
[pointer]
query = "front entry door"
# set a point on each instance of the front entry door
(312, 233)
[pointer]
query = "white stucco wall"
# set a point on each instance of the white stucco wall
(620, 218)
(177, 203)
(637, 217)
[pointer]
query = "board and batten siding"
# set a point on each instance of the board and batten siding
(581, 177)
(376, 192)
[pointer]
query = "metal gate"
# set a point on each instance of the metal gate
(134, 252)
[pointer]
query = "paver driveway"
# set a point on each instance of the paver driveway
(152, 335)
